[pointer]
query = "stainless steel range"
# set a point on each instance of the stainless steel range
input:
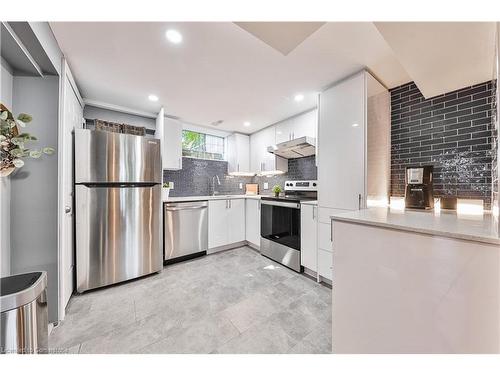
(280, 223)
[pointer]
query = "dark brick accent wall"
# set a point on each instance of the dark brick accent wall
(195, 178)
(452, 132)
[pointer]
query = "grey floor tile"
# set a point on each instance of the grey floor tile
(203, 336)
(235, 301)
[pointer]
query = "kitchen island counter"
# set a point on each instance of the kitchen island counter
(480, 228)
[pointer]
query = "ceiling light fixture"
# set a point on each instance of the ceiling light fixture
(299, 97)
(174, 36)
(355, 125)
(246, 123)
(153, 98)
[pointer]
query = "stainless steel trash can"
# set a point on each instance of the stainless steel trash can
(24, 321)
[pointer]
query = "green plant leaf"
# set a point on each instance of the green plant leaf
(4, 115)
(18, 163)
(35, 154)
(2, 138)
(21, 123)
(17, 152)
(18, 141)
(24, 118)
(48, 150)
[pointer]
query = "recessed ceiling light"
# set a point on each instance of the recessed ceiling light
(299, 97)
(153, 98)
(355, 125)
(174, 36)
(246, 123)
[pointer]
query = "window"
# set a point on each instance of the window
(202, 146)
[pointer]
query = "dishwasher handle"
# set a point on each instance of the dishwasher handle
(185, 208)
(179, 206)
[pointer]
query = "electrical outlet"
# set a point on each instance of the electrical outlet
(241, 185)
(266, 185)
(171, 184)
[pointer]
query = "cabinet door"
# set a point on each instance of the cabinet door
(284, 130)
(259, 142)
(341, 145)
(238, 153)
(252, 222)
(217, 223)
(308, 236)
(325, 264)
(305, 125)
(172, 144)
(235, 226)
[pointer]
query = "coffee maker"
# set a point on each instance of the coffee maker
(419, 192)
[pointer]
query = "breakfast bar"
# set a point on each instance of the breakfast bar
(415, 282)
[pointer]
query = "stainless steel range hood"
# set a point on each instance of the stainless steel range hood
(296, 148)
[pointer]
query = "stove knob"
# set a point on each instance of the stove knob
(314, 184)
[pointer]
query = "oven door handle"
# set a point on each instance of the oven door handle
(281, 204)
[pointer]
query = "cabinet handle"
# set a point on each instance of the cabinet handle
(331, 232)
(259, 204)
(313, 212)
(229, 203)
(238, 167)
(179, 161)
(226, 204)
(264, 166)
(359, 201)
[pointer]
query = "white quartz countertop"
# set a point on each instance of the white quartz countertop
(210, 198)
(480, 228)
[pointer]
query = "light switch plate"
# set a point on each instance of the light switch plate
(171, 184)
(266, 185)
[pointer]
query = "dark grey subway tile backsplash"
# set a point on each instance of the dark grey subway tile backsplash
(453, 132)
(196, 177)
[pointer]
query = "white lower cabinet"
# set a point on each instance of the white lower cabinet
(252, 222)
(226, 222)
(308, 237)
(325, 263)
(325, 244)
(236, 220)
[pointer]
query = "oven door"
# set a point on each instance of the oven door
(280, 222)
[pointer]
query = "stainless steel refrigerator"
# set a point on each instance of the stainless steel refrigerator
(118, 207)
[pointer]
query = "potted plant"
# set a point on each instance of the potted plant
(277, 190)
(165, 191)
(13, 143)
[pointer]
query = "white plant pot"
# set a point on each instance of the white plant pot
(164, 193)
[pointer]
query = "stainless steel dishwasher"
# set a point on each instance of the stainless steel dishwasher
(185, 230)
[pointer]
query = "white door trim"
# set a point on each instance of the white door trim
(65, 74)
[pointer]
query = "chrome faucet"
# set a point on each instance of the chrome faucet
(214, 192)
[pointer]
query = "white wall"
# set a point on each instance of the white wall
(34, 191)
(6, 98)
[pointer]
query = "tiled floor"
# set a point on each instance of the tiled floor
(231, 302)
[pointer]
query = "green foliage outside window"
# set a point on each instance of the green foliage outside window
(202, 146)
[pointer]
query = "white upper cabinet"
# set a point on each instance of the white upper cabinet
(296, 127)
(353, 144)
(263, 161)
(238, 154)
(169, 131)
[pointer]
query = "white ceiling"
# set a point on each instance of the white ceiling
(443, 56)
(220, 71)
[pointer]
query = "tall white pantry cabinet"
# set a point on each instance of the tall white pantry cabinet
(353, 155)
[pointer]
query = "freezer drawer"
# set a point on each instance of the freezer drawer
(186, 229)
(117, 234)
(105, 157)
